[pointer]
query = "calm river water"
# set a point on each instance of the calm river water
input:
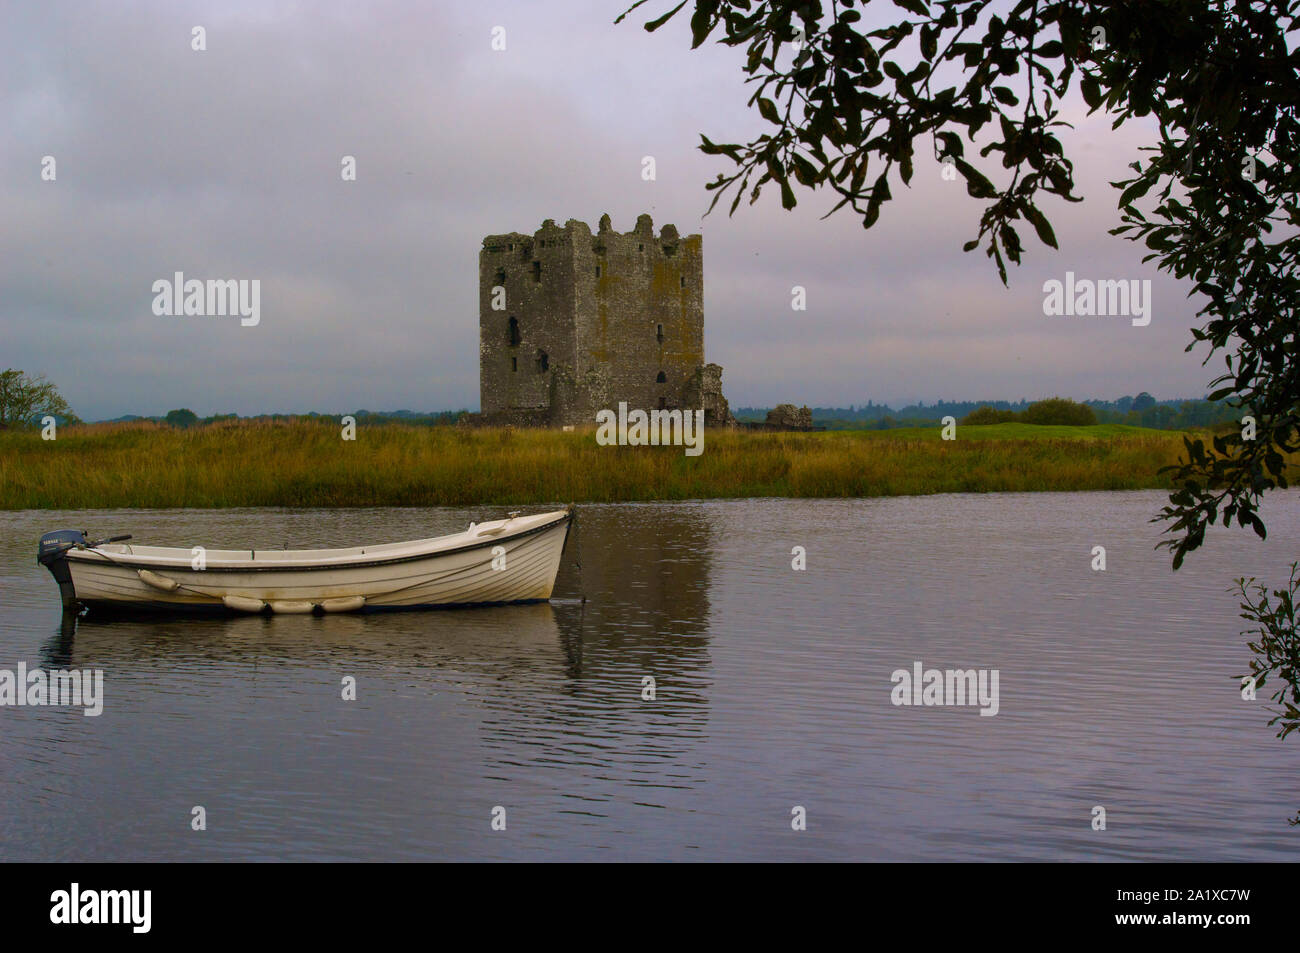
(772, 692)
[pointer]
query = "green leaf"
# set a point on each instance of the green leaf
(914, 6)
(1091, 91)
(804, 170)
(929, 42)
(702, 21)
(660, 21)
(976, 184)
(1041, 226)
(787, 195)
(1135, 191)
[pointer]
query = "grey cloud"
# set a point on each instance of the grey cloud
(226, 164)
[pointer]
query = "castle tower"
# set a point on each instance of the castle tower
(571, 322)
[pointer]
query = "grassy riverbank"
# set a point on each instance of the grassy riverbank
(306, 463)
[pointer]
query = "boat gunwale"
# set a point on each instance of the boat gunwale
(98, 557)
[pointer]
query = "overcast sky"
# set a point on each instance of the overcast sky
(225, 163)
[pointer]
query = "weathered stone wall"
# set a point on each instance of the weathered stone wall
(705, 393)
(537, 274)
(612, 312)
(640, 310)
(790, 417)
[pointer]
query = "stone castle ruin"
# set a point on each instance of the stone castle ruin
(571, 323)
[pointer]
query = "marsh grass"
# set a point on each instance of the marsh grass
(306, 463)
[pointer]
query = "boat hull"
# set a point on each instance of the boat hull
(499, 565)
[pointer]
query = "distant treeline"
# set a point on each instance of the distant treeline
(187, 418)
(1140, 411)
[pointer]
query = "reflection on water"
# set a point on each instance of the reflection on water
(771, 689)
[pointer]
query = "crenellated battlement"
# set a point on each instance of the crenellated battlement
(576, 233)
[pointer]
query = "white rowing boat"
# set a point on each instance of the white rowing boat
(510, 560)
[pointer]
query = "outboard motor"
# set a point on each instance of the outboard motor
(51, 555)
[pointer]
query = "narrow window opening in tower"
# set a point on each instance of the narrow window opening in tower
(662, 378)
(543, 362)
(501, 276)
(640, 247)
(514, 363)
(683, 281)
(659, 333)
(598, 271)
(514, 332)
(537, 271)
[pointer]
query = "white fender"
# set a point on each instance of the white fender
(343, 604)
(242, 604)
(290, 607)
(157, 581)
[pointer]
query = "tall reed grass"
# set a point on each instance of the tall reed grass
(306, 463)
